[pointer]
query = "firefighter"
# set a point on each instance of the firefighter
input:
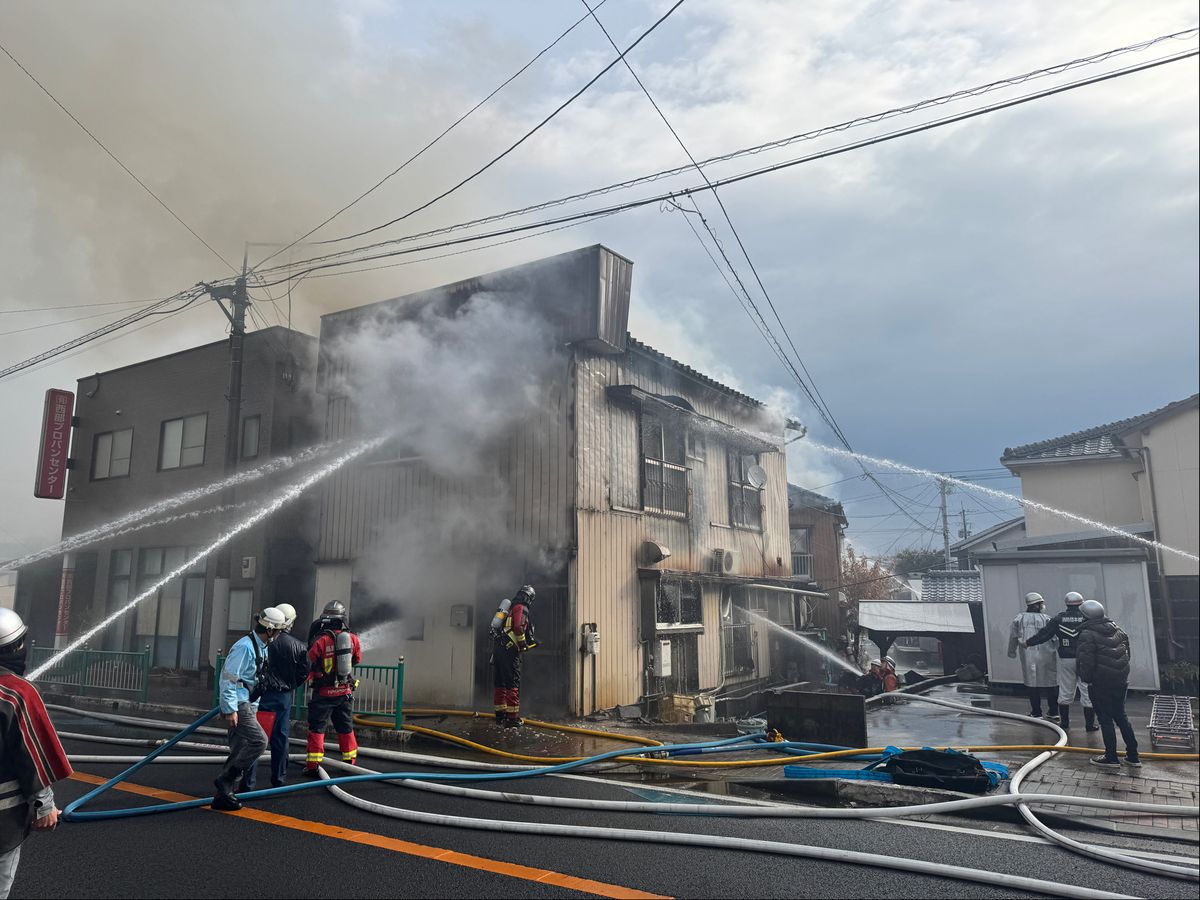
(1065, 626)
(31, 757)
(511, 637)
(334, 653)
(888, 676)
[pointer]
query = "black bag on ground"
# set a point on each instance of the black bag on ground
(945, 769)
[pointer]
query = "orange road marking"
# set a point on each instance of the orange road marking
(496, 867)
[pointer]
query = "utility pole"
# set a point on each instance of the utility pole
(966, 531)
(944, 490)
(239, 302)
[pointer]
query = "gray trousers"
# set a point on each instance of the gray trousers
(247, 740)
(1068, 680)
(8, 870)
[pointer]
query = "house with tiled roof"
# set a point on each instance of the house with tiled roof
(1141, 474)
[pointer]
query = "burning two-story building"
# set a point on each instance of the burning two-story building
(535, 440)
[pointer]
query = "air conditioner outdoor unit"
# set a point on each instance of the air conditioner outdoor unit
(724, 561)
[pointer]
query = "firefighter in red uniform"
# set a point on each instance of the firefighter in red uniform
(513, 637)
(334, 653)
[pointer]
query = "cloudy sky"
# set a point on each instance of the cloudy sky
(997, 281)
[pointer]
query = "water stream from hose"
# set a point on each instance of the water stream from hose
(285, 497)
(1004, 495)
(798, 638)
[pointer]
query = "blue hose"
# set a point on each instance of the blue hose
(73, 813)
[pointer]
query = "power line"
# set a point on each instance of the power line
(530, 133)
(787, 141)
(428, 146)
(314, 264)
(113, 157)
(189, 297)
(33, 309)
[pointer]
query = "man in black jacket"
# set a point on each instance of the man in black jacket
(287, 669)
(1065, 628)
(1103, 663)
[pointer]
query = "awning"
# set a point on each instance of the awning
(909, 617)
(734, 437)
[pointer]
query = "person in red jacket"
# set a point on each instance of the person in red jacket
(31, 756)
(334, 653)
(513, 637)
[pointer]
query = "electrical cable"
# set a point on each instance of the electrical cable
(530, 133)
(113, 157)
(428, 146)
(908, 109)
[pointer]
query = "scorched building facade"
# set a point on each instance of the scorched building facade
(646, 503)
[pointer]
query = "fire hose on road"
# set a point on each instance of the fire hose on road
(425, 781)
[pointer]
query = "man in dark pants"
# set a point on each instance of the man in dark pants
(513, 637)
(332, 657)
(1103, 663)
(287, 669)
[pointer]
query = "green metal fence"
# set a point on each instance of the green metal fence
(96, 672)
(380, 692)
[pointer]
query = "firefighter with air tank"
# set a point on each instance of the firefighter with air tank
(512, 635)
(333, 652)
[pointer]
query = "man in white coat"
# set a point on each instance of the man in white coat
(1038, 667)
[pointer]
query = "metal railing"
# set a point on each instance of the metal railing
(97, 672)
(380, 692)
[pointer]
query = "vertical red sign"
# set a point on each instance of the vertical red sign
(51, 480)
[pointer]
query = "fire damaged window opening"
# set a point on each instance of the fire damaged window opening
(745, 500)
(664, 467)
(678, 605)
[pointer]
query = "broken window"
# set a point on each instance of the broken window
(678, 603)
(745, 500)
(664, 467)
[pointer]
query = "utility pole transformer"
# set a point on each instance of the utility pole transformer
(944, 490)
(239, 302)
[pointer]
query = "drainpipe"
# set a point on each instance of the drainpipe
(1164, 590)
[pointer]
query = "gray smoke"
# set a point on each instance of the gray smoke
(459, 382)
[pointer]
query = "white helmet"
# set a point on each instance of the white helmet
(12, 629)
(1093, 609)
(1033, 598)
(289, 614)
(875, 664)
(272, 618)
(1074, 598)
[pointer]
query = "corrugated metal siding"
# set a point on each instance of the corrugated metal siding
(607, 589)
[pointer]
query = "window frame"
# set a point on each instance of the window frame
(738, 486)
(111, 435)
(663, 465)
(257, 420)
(229, 623)
(807, 531)
(678, 625)
(162, 432)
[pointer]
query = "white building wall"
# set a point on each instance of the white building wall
(1101, 489)
(1174, 446)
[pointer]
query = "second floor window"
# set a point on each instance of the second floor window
(182, 442)
(745, 500)
(251, 426)
(802, 561)
(664, 467)
(110, 454)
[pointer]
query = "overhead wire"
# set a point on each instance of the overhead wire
(521, 140)
(780, 143)
(428, 146)
(159, 200)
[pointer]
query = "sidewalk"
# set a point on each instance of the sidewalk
(1166, 782)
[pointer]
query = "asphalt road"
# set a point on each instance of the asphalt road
(311, 844)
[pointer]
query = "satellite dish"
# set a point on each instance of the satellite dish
(757, 476)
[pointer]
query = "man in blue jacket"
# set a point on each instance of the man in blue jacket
(287, 669)
(240, 688)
